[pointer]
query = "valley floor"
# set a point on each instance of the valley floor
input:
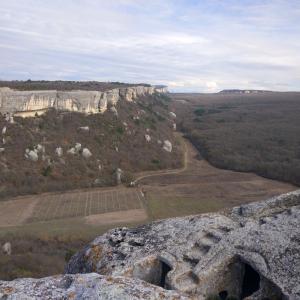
(81, 215)
(199, 188)
(196, 188)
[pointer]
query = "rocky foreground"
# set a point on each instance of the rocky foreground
(249, 252)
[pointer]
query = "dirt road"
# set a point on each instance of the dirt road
(186, 158)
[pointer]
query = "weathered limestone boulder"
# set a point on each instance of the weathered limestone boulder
(172, 115)
(167, 146)
(31, 155)
(84, 286)
(77, 147)
(84, 128)
(250, 252)
(39, 148)
(75, 150)
(6, 248)
(8, 117)
(4, 130)
(72, 151)
(86, 153)
(59, 151)
(2, 149)
(148, 138)
(119, 174)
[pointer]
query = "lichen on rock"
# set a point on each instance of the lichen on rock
(209, 254)
(249, 252)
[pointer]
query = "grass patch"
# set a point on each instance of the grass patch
(166, 207)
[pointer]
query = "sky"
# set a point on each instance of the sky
(188, 45)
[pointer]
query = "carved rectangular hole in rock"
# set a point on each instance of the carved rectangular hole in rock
(203, 248)
(155, 272)
(165, 269)
(251, 281)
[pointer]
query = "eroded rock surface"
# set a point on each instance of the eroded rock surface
(251, 251)
(30, 103)
(84, 286)
(248, 252)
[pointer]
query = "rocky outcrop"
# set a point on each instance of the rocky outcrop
(23, 103)
(251, 251)
(248, 252)
(84, 286)
(86, 153)
(167, 146)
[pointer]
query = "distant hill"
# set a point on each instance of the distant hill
(256, 133)
(237, 91)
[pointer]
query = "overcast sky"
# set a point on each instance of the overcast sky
(188, 45)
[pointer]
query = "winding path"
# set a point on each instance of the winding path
(186, 159)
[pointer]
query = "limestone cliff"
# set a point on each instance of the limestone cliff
(20, 103)
(249, 252)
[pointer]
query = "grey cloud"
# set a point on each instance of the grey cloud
(194, 47)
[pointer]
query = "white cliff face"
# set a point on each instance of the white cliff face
(38, 102)
(89, 102)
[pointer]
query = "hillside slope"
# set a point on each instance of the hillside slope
(257, 133)
(74, 150)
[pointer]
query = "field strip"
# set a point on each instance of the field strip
(126, 216)
(48, 210)
(70, 205)
(57, 206)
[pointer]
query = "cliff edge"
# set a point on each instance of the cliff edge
(20, 103)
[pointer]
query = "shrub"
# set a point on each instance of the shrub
(46, 171)
(127, 178)
(69, 254)
(120, 130)
(199, 111)
(155, 161)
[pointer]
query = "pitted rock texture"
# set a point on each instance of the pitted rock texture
(84, 286)
(20, 102)
(250, 252)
